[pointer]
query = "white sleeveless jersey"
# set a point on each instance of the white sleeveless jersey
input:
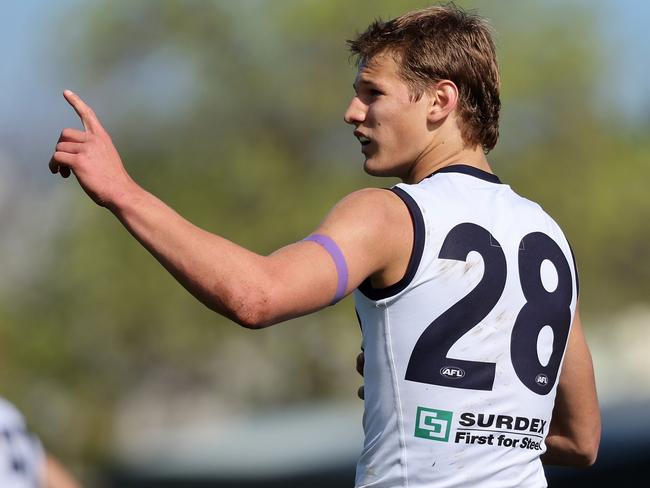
(21, 454)
(462, 356)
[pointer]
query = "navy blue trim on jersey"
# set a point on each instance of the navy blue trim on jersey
(416, 253)
(468, 170)
(575, 268)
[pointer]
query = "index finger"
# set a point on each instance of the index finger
(85, 113)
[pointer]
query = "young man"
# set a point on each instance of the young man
(466, 293)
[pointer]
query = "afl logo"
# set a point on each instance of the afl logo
(541, 379)
(452, 372)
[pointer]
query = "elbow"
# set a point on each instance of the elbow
(585, 452)
(577, 452)
(591, 445)
(591, 460)
(588, 452)
(252, 309)
(584, 459)
(252, 320)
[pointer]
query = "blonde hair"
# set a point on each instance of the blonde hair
(443, 43)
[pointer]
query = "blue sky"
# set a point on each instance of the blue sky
(626, 34)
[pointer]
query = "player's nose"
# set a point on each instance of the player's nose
(356, 112)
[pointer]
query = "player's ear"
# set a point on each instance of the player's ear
(443, 99)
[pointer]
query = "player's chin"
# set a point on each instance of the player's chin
(374, 167)
(371, 166)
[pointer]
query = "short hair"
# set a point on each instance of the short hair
(443, 43)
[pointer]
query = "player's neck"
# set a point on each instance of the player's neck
(442, 155)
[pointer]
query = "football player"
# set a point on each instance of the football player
(476, 367)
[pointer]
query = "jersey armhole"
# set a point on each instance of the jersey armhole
(575, 269)
(416, 252)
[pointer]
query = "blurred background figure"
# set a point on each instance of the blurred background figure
(23, 461)
(219, 102)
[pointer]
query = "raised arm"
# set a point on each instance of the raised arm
(372, 228)
(574, 433)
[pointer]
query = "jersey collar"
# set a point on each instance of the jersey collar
(468, 170)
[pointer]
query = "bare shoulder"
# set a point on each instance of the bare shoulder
(374, 228)
(371, 207)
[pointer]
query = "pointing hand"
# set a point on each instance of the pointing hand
(91, 156)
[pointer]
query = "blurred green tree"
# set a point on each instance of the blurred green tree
(231, 113)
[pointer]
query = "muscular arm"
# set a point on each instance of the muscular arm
(371, 227)
(574, 433)
(255, 290)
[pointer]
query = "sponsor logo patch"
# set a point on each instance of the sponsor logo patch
(487, 429)
(433, 424)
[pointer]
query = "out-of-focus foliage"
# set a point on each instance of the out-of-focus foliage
(231, 113)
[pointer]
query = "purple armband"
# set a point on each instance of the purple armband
(339, 261)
